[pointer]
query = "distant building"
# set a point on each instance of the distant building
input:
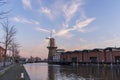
(37, 59)
(2, 52)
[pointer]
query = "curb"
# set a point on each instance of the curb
(26, 74)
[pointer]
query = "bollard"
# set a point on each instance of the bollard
(22, 75)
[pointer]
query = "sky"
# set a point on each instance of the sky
(75, 24)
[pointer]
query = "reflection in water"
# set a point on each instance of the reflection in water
(43, 71)
(37, 71)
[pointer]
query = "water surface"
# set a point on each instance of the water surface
(43, 71)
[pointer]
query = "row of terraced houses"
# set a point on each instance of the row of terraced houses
(107, 55)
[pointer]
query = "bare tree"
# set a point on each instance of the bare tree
(15, 52)
(9, 36)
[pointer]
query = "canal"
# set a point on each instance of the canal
(44, 71)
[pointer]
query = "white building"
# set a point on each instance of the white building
(56, 57)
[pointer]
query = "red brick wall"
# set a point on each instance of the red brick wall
(86, 56)
(101, 56)
(91, 54)
(1, 53)
(108, 58)
(80, 57)
(115, 53)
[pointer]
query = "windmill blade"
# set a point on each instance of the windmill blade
(47, 37)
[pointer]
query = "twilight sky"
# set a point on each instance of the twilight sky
(76, 24)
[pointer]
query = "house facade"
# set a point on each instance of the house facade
(107, 55)
(2, 51)
(56, 57)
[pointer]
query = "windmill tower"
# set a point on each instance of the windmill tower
(51, 47)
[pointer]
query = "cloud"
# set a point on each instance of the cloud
(81, 24)
(46, 11)
(53, 31)
(41, 29)
(78, 26)
(27, 4)
(24, 20)
(64, 31)
(70, 9)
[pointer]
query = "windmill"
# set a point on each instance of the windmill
(51, 47)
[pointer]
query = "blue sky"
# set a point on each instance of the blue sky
(76, 24)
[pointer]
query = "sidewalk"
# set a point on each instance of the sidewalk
(14, 73)
(8, 64)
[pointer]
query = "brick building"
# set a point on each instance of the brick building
(2, 51)
(107, 55)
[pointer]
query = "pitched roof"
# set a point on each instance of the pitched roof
(1, 48)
